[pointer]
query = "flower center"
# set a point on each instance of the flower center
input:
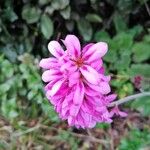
(79, 62)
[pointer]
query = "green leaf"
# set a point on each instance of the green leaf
(102, 125)
(44, 2)
(111, 56)
(46, 25)
(141, 52)
(101, 36)
(9, 108)
(85, 29)
(140, 69)
(10, 15)
(142, 104)
(59, 4)
(122, 41)
(31, 14)
(135, 140)
(147, 38)
(93, 18)
(136, 30)
(124, 61)
(66, 12)
(119, 22)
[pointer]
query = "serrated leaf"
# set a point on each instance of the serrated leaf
(93, 18)
(142, 104)
(101, 36)
(46, 25)
(136, 30)
(124, 60)
(140, 69)
(31, 14)
(122, 41)
(119, 22)
(111, 56)
(85, 29)
(141, 52)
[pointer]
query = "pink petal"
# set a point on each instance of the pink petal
(92, 124)
(74, 78)
(96, 64)
(102, 70)
(68, 66)
(90, 92)
(86, 116)
(55, 49)
(73, 45)
(79, 94)
(104, 88)
(49, 75)
(96, 51)
(116, 111)
(86, 47)
(94, 100)
(80, 119)
(65, 111)
(48, 63)
(56, 87)
(70, 120)
(90, 74)
(74, 109)
(92, 86)
(122, 114)
(111, 97)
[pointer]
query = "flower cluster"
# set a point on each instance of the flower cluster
(76, 84)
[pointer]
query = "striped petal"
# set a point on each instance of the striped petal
(55, 49)
(90, 74)
(96, 51)
(73, 45)
(78, 94)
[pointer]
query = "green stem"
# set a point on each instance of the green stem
(129, 98)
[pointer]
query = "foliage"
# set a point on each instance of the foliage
(21, 89)
(136, 140)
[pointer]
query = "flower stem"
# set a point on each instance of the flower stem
(129, 98)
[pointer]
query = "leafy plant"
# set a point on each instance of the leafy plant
(136, 140)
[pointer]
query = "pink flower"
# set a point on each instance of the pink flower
(76, 84)
(116, 111)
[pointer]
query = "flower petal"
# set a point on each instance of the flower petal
(49, 75)
(48, 63)
(79, 94)
(86, 47)
(104, 88)
(96, 51)
(73, 45)
(74, 78)
(110, 98)
(74, 109)
(90, 74)
(55, 49)
(56, 87)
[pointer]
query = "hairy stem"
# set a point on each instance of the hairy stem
(129, 98)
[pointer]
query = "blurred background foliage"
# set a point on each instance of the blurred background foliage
(26, 27)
